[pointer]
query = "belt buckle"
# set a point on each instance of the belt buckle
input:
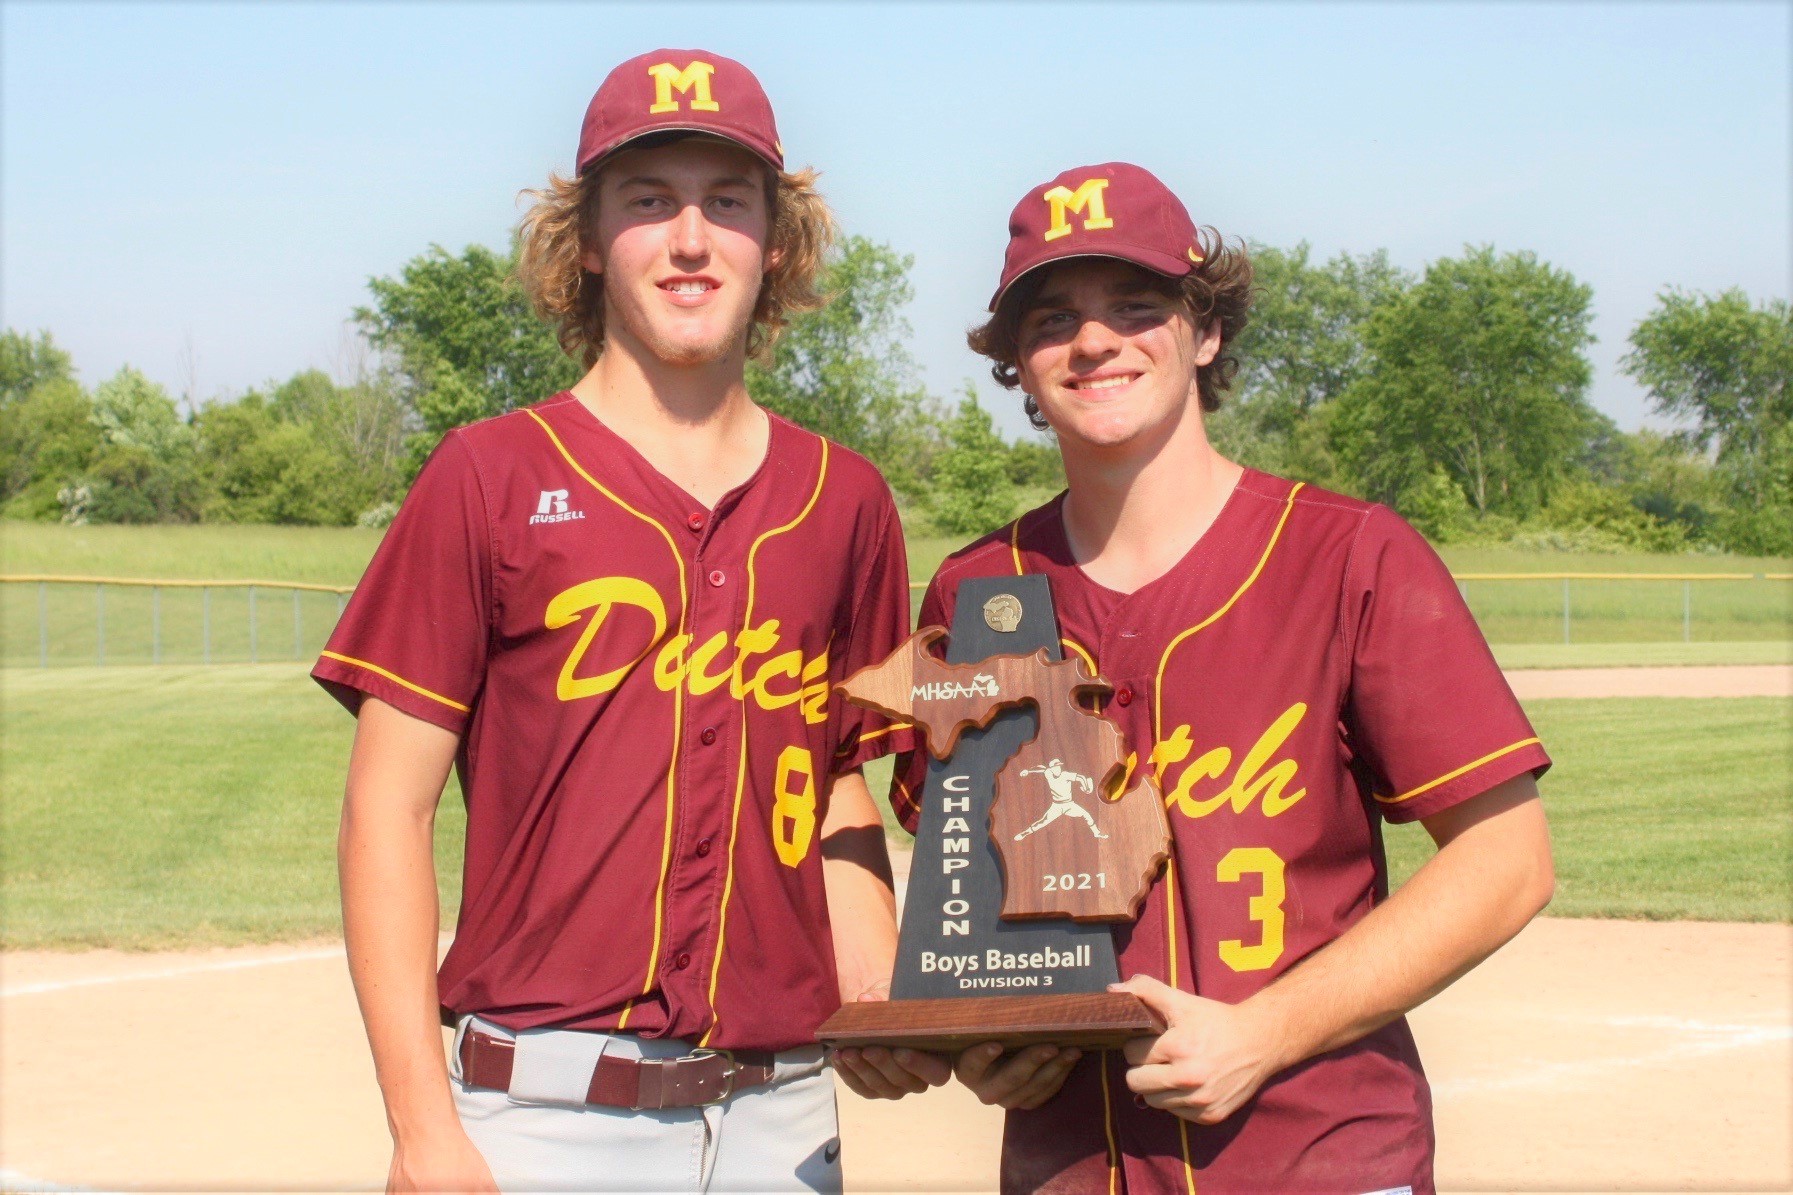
(728, 1076)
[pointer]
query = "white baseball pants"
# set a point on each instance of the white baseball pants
(540, 1136)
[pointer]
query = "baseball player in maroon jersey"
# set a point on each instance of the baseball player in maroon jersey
(619, 614)
(1293, 667)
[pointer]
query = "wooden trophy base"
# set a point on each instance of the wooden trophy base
(1093, 1019)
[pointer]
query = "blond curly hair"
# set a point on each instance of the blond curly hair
(555, 234)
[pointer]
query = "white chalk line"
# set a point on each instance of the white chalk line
(94, 981)
(12, 1180)
(1710, 1038)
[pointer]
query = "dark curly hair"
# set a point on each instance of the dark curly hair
(1218, 290)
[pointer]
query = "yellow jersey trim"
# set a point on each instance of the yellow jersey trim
(1170, 872)
(1015, 545)
(1449, 776)
(1114, 1153)
(878, 734)
(678, 712)
(1257, 570)
(396, 679)
(1170, 916)
(1094, 699)
(734, 824)
(1188, 1169)
(1079, 649)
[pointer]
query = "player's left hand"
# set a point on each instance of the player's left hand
(1209, 1060)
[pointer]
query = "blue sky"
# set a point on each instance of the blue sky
(204, 190)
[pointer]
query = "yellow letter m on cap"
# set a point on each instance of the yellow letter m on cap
(693, 81)
(1086, 201)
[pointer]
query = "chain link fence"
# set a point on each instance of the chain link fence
(1568, 608)
(57, 620)
(52, 620)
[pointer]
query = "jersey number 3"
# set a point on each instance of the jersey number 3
(1266, 907)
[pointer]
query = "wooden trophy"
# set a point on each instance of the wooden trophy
(1026, 851)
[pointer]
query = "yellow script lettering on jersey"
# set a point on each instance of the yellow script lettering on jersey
(784, 678)
(1249, 782)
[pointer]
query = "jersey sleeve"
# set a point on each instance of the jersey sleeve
(880, 625)
(414, 634)
(911, 770)
(1430, 718)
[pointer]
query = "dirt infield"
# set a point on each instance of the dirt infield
(1719, 680)
(1587, 1056)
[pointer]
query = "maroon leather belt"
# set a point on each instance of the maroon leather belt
(705, 1077)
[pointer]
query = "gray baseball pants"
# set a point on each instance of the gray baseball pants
(540, 1136)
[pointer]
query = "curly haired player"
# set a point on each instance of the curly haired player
(1293, 667)
(619, 613)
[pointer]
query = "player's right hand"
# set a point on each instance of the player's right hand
(1023, 1081)
(446, 1163)
(878, 1073)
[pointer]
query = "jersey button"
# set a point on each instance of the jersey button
(717, 576)
(681, 962)
(1123, 696)
(703, 847)
(708, 736)
(695, 522)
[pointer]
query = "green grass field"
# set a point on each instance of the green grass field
(160, 807)
(1672, 622)
(320, 555)
(1661, 808)
(336, 555)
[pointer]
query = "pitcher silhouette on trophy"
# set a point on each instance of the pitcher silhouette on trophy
(1060, 781)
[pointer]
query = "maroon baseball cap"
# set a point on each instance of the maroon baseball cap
(689, 90)
(1112, 210)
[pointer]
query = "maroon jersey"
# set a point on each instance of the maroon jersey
(1306, 671)
(643, 690)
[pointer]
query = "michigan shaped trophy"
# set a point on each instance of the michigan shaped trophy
(1033, 838)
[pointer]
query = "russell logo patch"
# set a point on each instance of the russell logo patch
(551, 507)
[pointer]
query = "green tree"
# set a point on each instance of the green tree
(464, 340)
(308, 451)
(972, 492)
(361, 427)
(1435, 505)
(1662, 476)
(1726, 367)
(129, 409)
(1480, 369)
(1606, 517)
(47, 440)
(844, 371)
(1035, 464)
(27, 361)
(1304, 343)
(1302, 348)
(146, 469)
(1763, 527)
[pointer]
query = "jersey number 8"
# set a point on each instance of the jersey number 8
(794, 805)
